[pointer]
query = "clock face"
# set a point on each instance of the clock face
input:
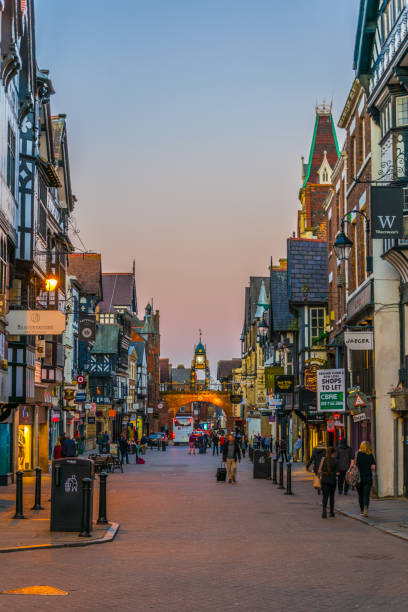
(200, 359)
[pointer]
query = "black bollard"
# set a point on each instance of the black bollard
(281, 475)
(164, 446)
(86, 508)
(288, 479)
(274, 475)
(19, 496)
(102, 520)
(37, 501)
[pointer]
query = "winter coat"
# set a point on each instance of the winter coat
(57, 454)
(329, 477)
(344, 455)
(68, 448)
(317, 455)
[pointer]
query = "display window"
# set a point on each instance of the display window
(25, 447)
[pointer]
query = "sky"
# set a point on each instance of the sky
(187, 120)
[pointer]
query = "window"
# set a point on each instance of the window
(316, 323)
(42, 209)
(325, 176)
(402, 110)
(11, 160)
(3, 263)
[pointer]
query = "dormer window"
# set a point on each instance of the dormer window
(325, 171)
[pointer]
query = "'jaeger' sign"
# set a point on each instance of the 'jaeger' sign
(386, 212)
(331, 390)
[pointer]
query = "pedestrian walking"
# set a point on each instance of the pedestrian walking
(283, 450)
(231, 453)
(57, 452)
(327, 472)
(68, 446)
(191, 443)
(366, 466)
(318, 453)
(124, 449)
(215, 444)
(296, 448)
(243, 446)
(344, 455)
(222, 441)
(143, 444)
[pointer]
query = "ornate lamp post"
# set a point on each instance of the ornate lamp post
(343, 245)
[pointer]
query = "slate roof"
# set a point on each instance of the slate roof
(282, 319)
(119, 289)
(140, 349)
(252, 295)
(225, 367)
(180, 375)
(87, 268)
(107, 337)
(307, 271)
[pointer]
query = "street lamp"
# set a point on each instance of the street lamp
(51, 282)
(343, 245)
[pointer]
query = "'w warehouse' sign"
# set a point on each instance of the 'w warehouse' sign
(331, 390)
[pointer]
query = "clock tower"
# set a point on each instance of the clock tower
(200, 362)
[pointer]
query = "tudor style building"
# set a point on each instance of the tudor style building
(381, 57)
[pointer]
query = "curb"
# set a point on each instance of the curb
(369, 523)
(108, 537)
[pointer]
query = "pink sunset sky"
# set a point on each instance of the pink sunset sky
(187, 122)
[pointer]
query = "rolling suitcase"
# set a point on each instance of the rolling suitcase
(221, 474)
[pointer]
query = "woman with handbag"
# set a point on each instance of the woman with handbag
(315, 460)
(365, 463)
(327, 473)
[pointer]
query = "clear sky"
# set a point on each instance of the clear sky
(187, 120)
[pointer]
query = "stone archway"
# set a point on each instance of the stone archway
(174, 400)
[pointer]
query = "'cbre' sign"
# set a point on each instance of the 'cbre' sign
(386, 212)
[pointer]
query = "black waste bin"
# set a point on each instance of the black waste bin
(66, 492)
(262, 464)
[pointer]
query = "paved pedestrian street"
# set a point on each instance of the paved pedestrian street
(189, 543)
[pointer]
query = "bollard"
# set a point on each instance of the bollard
(164, 446)
(37, 501)
(288, 479)
(19, 496)
(102, 499)
(281, 475)
(274, 478)
(86, 508)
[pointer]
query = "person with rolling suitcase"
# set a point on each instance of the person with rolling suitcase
(221, 474)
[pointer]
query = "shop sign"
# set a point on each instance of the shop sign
(386, 212)
(87, 327)
(269, 373)
(69, 395)
(360, 300)
(55, 417)
(91, 407)
(149, 410)
(25, 415)
(112, 413)
(284, 383)
(81, 379)
(2, 304)
(35, 322)
(357, 418)
(331, 390)
(275, 402)
(91, 420)
(80, 396)
(235, 398)
(272, 418)
(359, 340)
(311, 378)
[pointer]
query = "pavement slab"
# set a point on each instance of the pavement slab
(189, 543)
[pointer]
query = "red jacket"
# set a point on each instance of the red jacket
(57, 451)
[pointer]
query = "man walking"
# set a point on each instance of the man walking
(68, 447)
(230, 454)
(283, 450)
(124, 449)
(215, 444)
(344, 455)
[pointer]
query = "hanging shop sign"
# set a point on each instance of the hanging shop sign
(311, 378)
(284, 383)
(35, 322)
(358, 418)
(91, 420)
(386, 212)
(87, 327)
(112, 413)
(235, 398)
(359, 340)
(331, 390)
(275, 402)
(91, 407)
(269, 373)
(80, 396)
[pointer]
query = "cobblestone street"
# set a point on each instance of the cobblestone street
(189, 543)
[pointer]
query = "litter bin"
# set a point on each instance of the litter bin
(262, 464)
(66, 492)
(251, 453)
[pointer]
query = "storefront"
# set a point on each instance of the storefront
(54, 429)
(25, 445)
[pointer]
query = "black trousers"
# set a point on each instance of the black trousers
(215, 448)
(328, 492)
(363, 490)
(283, 455)
(342, 482)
